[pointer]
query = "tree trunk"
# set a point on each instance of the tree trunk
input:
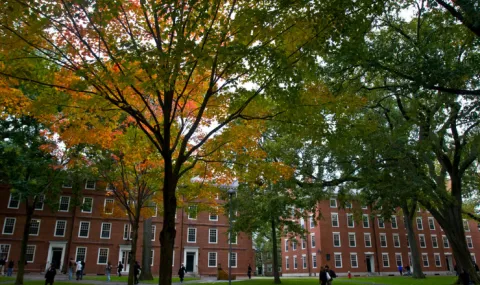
(416, 265)
(147, 250)
(276, 275)
(26, 235)
(69, 243)
(133, 252)
(168, 233)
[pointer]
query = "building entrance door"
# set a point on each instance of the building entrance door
(57, 256)
(449, 261)
(125, 256)
(369, 265)
(190, 261)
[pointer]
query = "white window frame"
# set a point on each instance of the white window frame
(295, 262)
(394, 218)
(423, 260)
(445, 240)
(76, 253)
(382, 224)
(38, 229)
(353, 254)
(98, 255)
(90, 188)
(41, 199)
(5, 224)
(469, 244)
(420, 236)
(236, 259)
(236, 238)
(364, 207)
(337, 219)
(33, 254)
(363, 221)
(354, 240)
(286, 245)
(56, 227)
(384, 235)
(5, 253)
(210, 236)
(109, 231)
(188, 235)
(287, 264)
(335, 254)
(154, 232)
(383, 259)
(214, 215)
(397, 254)
(397, 236)
(105, 205)
(189, 212)
(432, 220)
(304, 243)
(313, 242)
(91, 205)
(339, 239)
(350, 218)
(294, 245)
(436, 241)
(466, 225)
(60, 204)
(152, 256)
(335, 202)
(369, 239)
(311, 221)
(216, 260)
(314, 260)
(419, 225)
(435, 255)
(304, 261)
(10, 201)
(70, 185)
(127, 232)
(80, 229)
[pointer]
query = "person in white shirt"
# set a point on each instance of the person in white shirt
(79, 269)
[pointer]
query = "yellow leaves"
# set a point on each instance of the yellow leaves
(14, 102)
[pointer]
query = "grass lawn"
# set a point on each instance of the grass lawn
(125, 279)
(42, 282)
(403, 280)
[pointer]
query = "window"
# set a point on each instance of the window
(366, 221)
(423, 244)
(312, 240)
(419, 223)
(4, 251)
(314, 260)
(393, 221)
(295, 265)
(90, 184)
(469, 241)
(110, 187)
(212, 236)
(294, 245)
(286, 245)
(348, 204)
(472, 255)
(434, 241)
(233, 260)
(212, 259)
(213, 217)
(304, 261)
(304, 244)
(192, 235)
(350, 222)
(425, 260)
(34, 227)
(383, 240)
(410, 258)
(398, 259)
(154, 232)
(14, 202)
(364, 207)
(84, 229)
(127, 232)
(64, 204)
(39, 203)
(108, 206)
(352, 242)
(87, 205)
(60, 228)
(81, 254)
(408, 242)
(102, 256)
(386, 262)
(446, 244)
(353, 260)
(381, 223)
(466, 227)
(287, 264)
(368, 240)
(106, 229)
(9, 226)
(302, 223)
(431, 223)
(338, 260)
(334, 220)
(438, 262)
(192, 212)
(67, 184)
(312, 222)
(336, 239)
(333, 203)
(30, 254)
(396, 240)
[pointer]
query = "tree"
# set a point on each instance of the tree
(33, 167)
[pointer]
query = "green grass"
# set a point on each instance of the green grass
(125, 279)
(6, 278)
(42, 282)
(404, 280)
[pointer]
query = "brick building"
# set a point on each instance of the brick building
(91, 234)
(369, 246)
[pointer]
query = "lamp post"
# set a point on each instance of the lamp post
(230, 194)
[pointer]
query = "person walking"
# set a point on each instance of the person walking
(79, 270)
(330, 274)
(249, 271)
(108, 270)
(50, 274)
(400, 269)
(83, 270)
(181, 272)
(71, 268)
(11, 264)
(2, 266)
(119, 269)
(323, 276)
(136, 271)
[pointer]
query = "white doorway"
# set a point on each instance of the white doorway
(124, 256)
(369, 263)
(449, 261)
(190, 259)
(56, 254)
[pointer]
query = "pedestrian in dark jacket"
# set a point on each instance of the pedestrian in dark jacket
(323, 276)
(11, 264)
(249, 271)
(181, 272)
(136, 271)
(119, 268)
(50, 275)
(83, 270)
(331, 273)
